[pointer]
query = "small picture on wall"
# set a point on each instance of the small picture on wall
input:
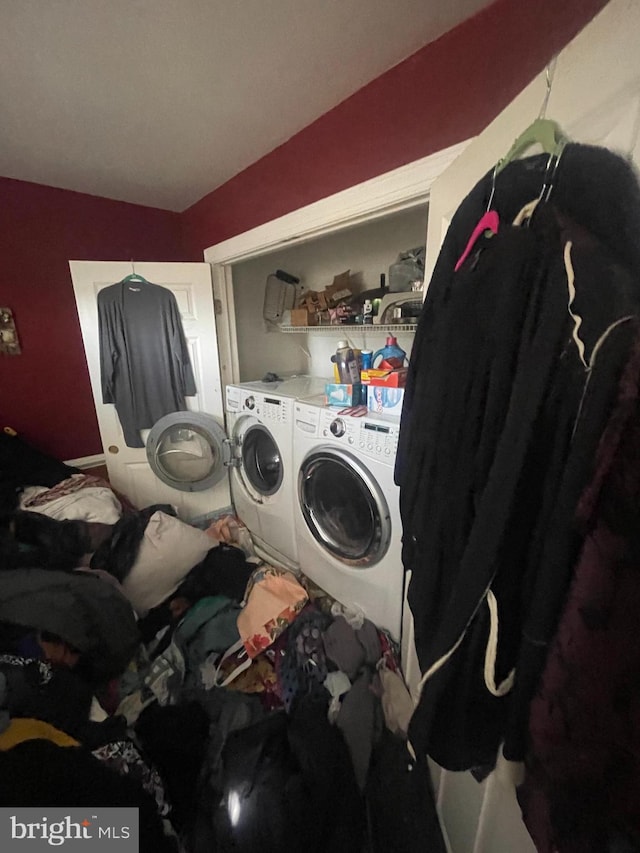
(9, 343)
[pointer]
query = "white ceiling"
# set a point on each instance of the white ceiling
(158, 102)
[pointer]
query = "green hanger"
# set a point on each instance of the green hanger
(542, 131)
(133, 277)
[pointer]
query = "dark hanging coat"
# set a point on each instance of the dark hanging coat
(144, 359)
(499, 427)
(582, 786)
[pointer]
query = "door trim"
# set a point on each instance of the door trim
(82, 462)
(400, 189)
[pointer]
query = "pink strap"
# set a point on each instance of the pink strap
(489, 222)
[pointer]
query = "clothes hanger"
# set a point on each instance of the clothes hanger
(542, 131)
(134, 277)
(488, 225)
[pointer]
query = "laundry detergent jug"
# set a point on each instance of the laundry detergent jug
(391, 355)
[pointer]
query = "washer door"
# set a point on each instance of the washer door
(260, 459)
(188, 450)
(344, 507)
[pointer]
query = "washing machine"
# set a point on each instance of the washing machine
(347, 516)
(259, 417)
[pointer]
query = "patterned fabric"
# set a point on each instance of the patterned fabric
(302, 667)
(123, 757)
(273, 600)
(259, 679)
(44, 668)
(67, 487)
(390, 651)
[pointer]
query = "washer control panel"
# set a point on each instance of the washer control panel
(270, 409)
(373, 437)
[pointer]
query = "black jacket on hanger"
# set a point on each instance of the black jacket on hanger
(501, 419)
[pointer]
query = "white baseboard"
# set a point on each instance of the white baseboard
(86, 461)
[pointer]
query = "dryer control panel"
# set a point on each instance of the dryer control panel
(270, 409)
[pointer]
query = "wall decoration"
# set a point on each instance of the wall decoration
(9, 343)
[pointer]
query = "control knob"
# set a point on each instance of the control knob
(337, 427)
(250, 403)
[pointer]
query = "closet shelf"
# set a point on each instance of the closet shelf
(401, 328)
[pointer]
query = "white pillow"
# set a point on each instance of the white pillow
(170, 548)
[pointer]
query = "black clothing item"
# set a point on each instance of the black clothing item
(144, 358)
(33, 540)
(22, 465)
(59, 696)
(174, 739)
(330, 781)
(224, 571)
(401, 808)
(41, 691)
(284, 783)
(38, 773)
(504, 403)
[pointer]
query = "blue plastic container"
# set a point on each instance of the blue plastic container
(391, 355)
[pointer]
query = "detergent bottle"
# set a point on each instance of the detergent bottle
(391, 355)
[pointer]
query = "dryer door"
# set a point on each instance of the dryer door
(344, 507)
(188, 451)
(258, 458)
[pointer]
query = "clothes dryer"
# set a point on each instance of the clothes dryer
(347, 516)
(259, 419)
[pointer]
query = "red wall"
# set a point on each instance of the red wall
(45, 392)
(446, 92)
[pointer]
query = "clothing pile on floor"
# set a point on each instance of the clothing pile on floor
(146, 662)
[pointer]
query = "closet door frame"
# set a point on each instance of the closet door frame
(400, 189)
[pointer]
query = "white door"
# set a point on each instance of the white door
(595, 98)
(129, 471)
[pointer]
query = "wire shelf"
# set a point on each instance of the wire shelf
(353, 329)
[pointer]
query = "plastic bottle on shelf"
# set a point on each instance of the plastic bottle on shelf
(367, 312)
(391, 355)
(366, 359)
(347, 363)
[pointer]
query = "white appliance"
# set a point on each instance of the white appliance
(259, 418)
(347, 517)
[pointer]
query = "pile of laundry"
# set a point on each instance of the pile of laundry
(150, 663)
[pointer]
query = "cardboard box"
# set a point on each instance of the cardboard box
(314, 301)
(384, 401)
(336, 394)
(386, 378)
(302, 317)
